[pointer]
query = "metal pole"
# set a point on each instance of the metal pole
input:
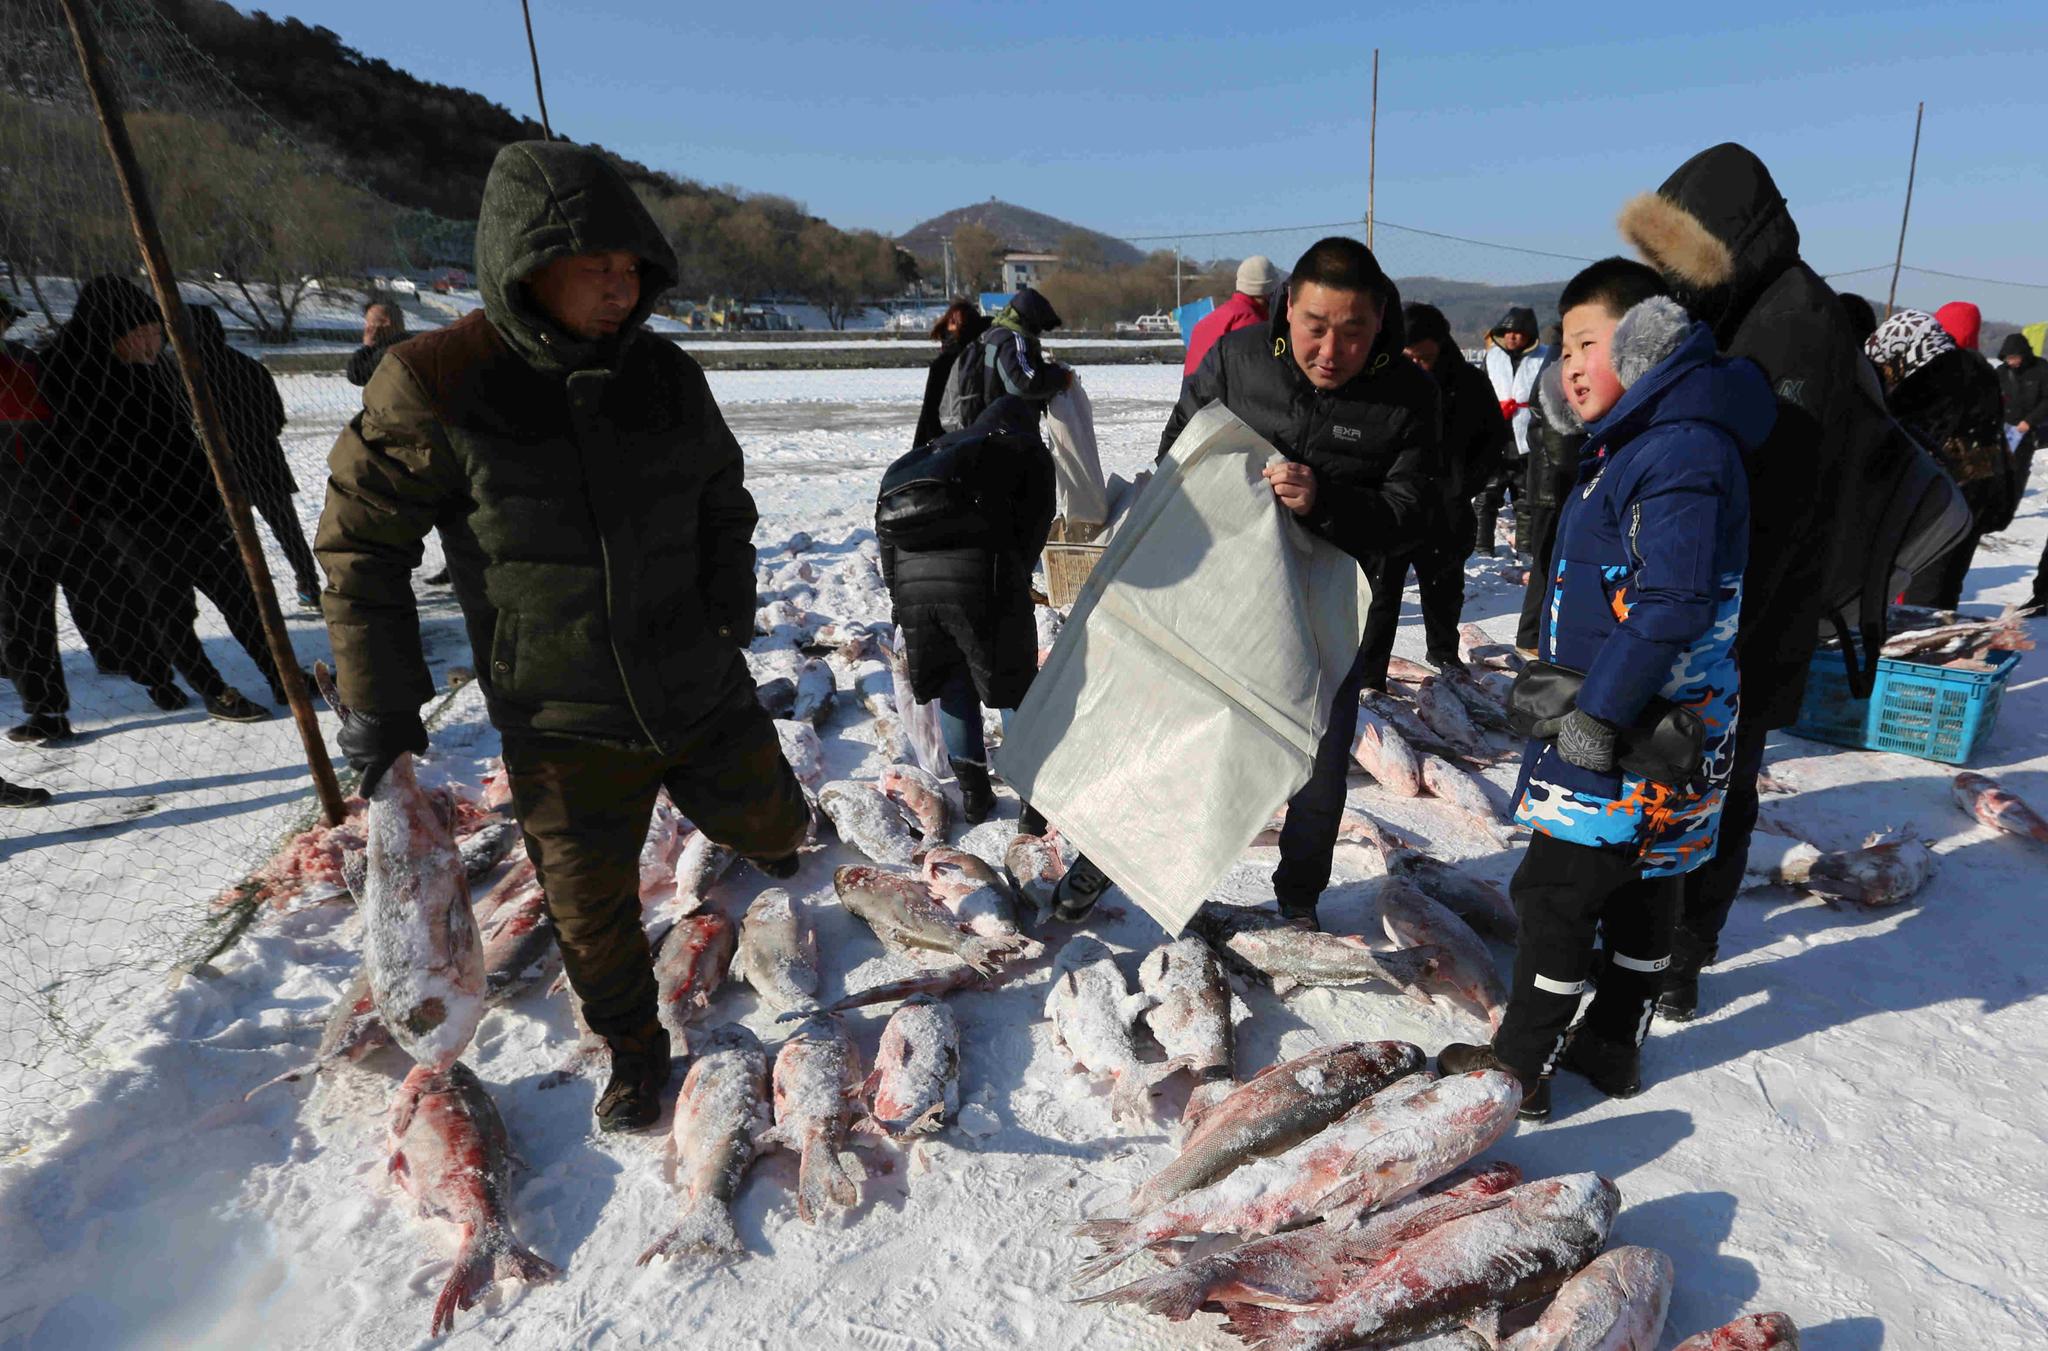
(533, 51)
(946, 250)
(1176, 277)
(212, 438)
(1912, 170)
(1372, 149)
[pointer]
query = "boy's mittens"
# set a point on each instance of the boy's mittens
(1582, 740)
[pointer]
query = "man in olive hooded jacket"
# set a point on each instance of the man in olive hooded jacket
(590, 502)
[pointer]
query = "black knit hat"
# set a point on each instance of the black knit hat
(110, 306)
(2016, 345)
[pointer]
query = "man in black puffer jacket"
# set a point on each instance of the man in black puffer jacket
(1719, 233)
(964, 613)
(1325, 382)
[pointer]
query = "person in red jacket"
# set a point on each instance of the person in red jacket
(1257, 282)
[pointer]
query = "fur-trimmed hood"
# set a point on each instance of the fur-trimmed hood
(1717, 230)
(1646, 336)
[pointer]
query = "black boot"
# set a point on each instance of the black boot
(977, 798)
(1613, 1067)
(1078, 891)
(42, 729)
(1463, 1058)
(781, 869)
(1298, 912)
(1031, 821)
(168, 697)
(1678, 999)
(230, 706)
(21, 795)
(631, 1100)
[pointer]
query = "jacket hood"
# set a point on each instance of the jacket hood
(1385, 349)
(1690, 383)
(546, 200)
(207, 327)
(2016, 345)
(110, 306)
(1964, 322)
(1717, 230)
(1518, 319)
(1031, 311)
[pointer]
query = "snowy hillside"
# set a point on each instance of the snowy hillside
(1852, 1132)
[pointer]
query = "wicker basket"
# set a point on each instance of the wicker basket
(1066, 569)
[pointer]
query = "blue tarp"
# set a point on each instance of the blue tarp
(992, 302)
(1192, 313)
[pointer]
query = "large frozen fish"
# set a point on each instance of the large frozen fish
(817, 1085)
(814, 688)
(690, 963)
(911, 924)
(1616, 1303)
(519, 948)
(1190, 1012)
(1312, 1265)
(420, 941)
(868, 821)
(1987, 800)
(921, 798)
(1390, 1146)
(721, 1114)
(1402, 718)
(1444, 713)
(803, 750)
(1751, 1332)
(703, 862)
(1464, 966)
(1094, 1017)
(1275, 1110)
(1035, 866)
(352, 1030)
(1262, 944)
(1384, 753)
(1486, 710)
(449, 1151)
(914, 1087)
(778, 952)
(1890, 868)
(977, 895)
(1476, 901)
(1461, 790)
(1496, 1258)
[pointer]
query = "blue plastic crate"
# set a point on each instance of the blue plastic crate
(1929, 711)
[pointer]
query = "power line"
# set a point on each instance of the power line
(1184, 235)
(1988, 281)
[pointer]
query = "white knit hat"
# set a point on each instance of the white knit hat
(1256, 276)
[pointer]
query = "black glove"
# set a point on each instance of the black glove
(1582, 740)
(374, 741)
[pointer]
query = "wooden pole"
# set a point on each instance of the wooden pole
(142, 217)
(1912, 170)
(1372, 149)
(533, 51)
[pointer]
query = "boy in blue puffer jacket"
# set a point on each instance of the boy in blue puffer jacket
(1645, 593)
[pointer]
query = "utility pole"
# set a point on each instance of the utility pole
(1912, 169)
(1372, 148)
(1176, 277)
(946, 250)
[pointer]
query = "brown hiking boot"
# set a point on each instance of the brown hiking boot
(631, 1100)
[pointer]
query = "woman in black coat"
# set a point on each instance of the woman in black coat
(964, 614)
(958, 328)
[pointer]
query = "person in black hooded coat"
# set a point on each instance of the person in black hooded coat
(1369, 443)
(964, 614)
(141, 475)
(1719, 232)
(959, 328)
(252, 412)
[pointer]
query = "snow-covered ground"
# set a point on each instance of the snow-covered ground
(1852, 1133)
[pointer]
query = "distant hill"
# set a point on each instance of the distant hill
(1474, 307)
(1017, 227)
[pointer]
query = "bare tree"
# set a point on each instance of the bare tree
(979, 256)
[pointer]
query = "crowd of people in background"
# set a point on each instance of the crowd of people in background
(107, 500)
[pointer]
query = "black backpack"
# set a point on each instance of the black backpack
(966, 391)
(933, 497)
(1897, 512)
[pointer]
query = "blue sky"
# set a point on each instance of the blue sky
(1519, 123)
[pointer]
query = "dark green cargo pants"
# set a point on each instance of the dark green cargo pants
(584, 808)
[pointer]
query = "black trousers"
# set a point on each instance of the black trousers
(1542, 542)
(1487, 507)
(28, 631)
(1710, 889)
(168, 578)
(1439, 567)
(274, 505)
(1567, 895)
(1308, 838)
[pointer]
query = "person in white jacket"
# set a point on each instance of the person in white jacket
(1514, 363)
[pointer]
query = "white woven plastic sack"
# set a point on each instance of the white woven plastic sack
(1082, 496)
(1185, 697)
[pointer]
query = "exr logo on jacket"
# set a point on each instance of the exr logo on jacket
(1347, 433)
